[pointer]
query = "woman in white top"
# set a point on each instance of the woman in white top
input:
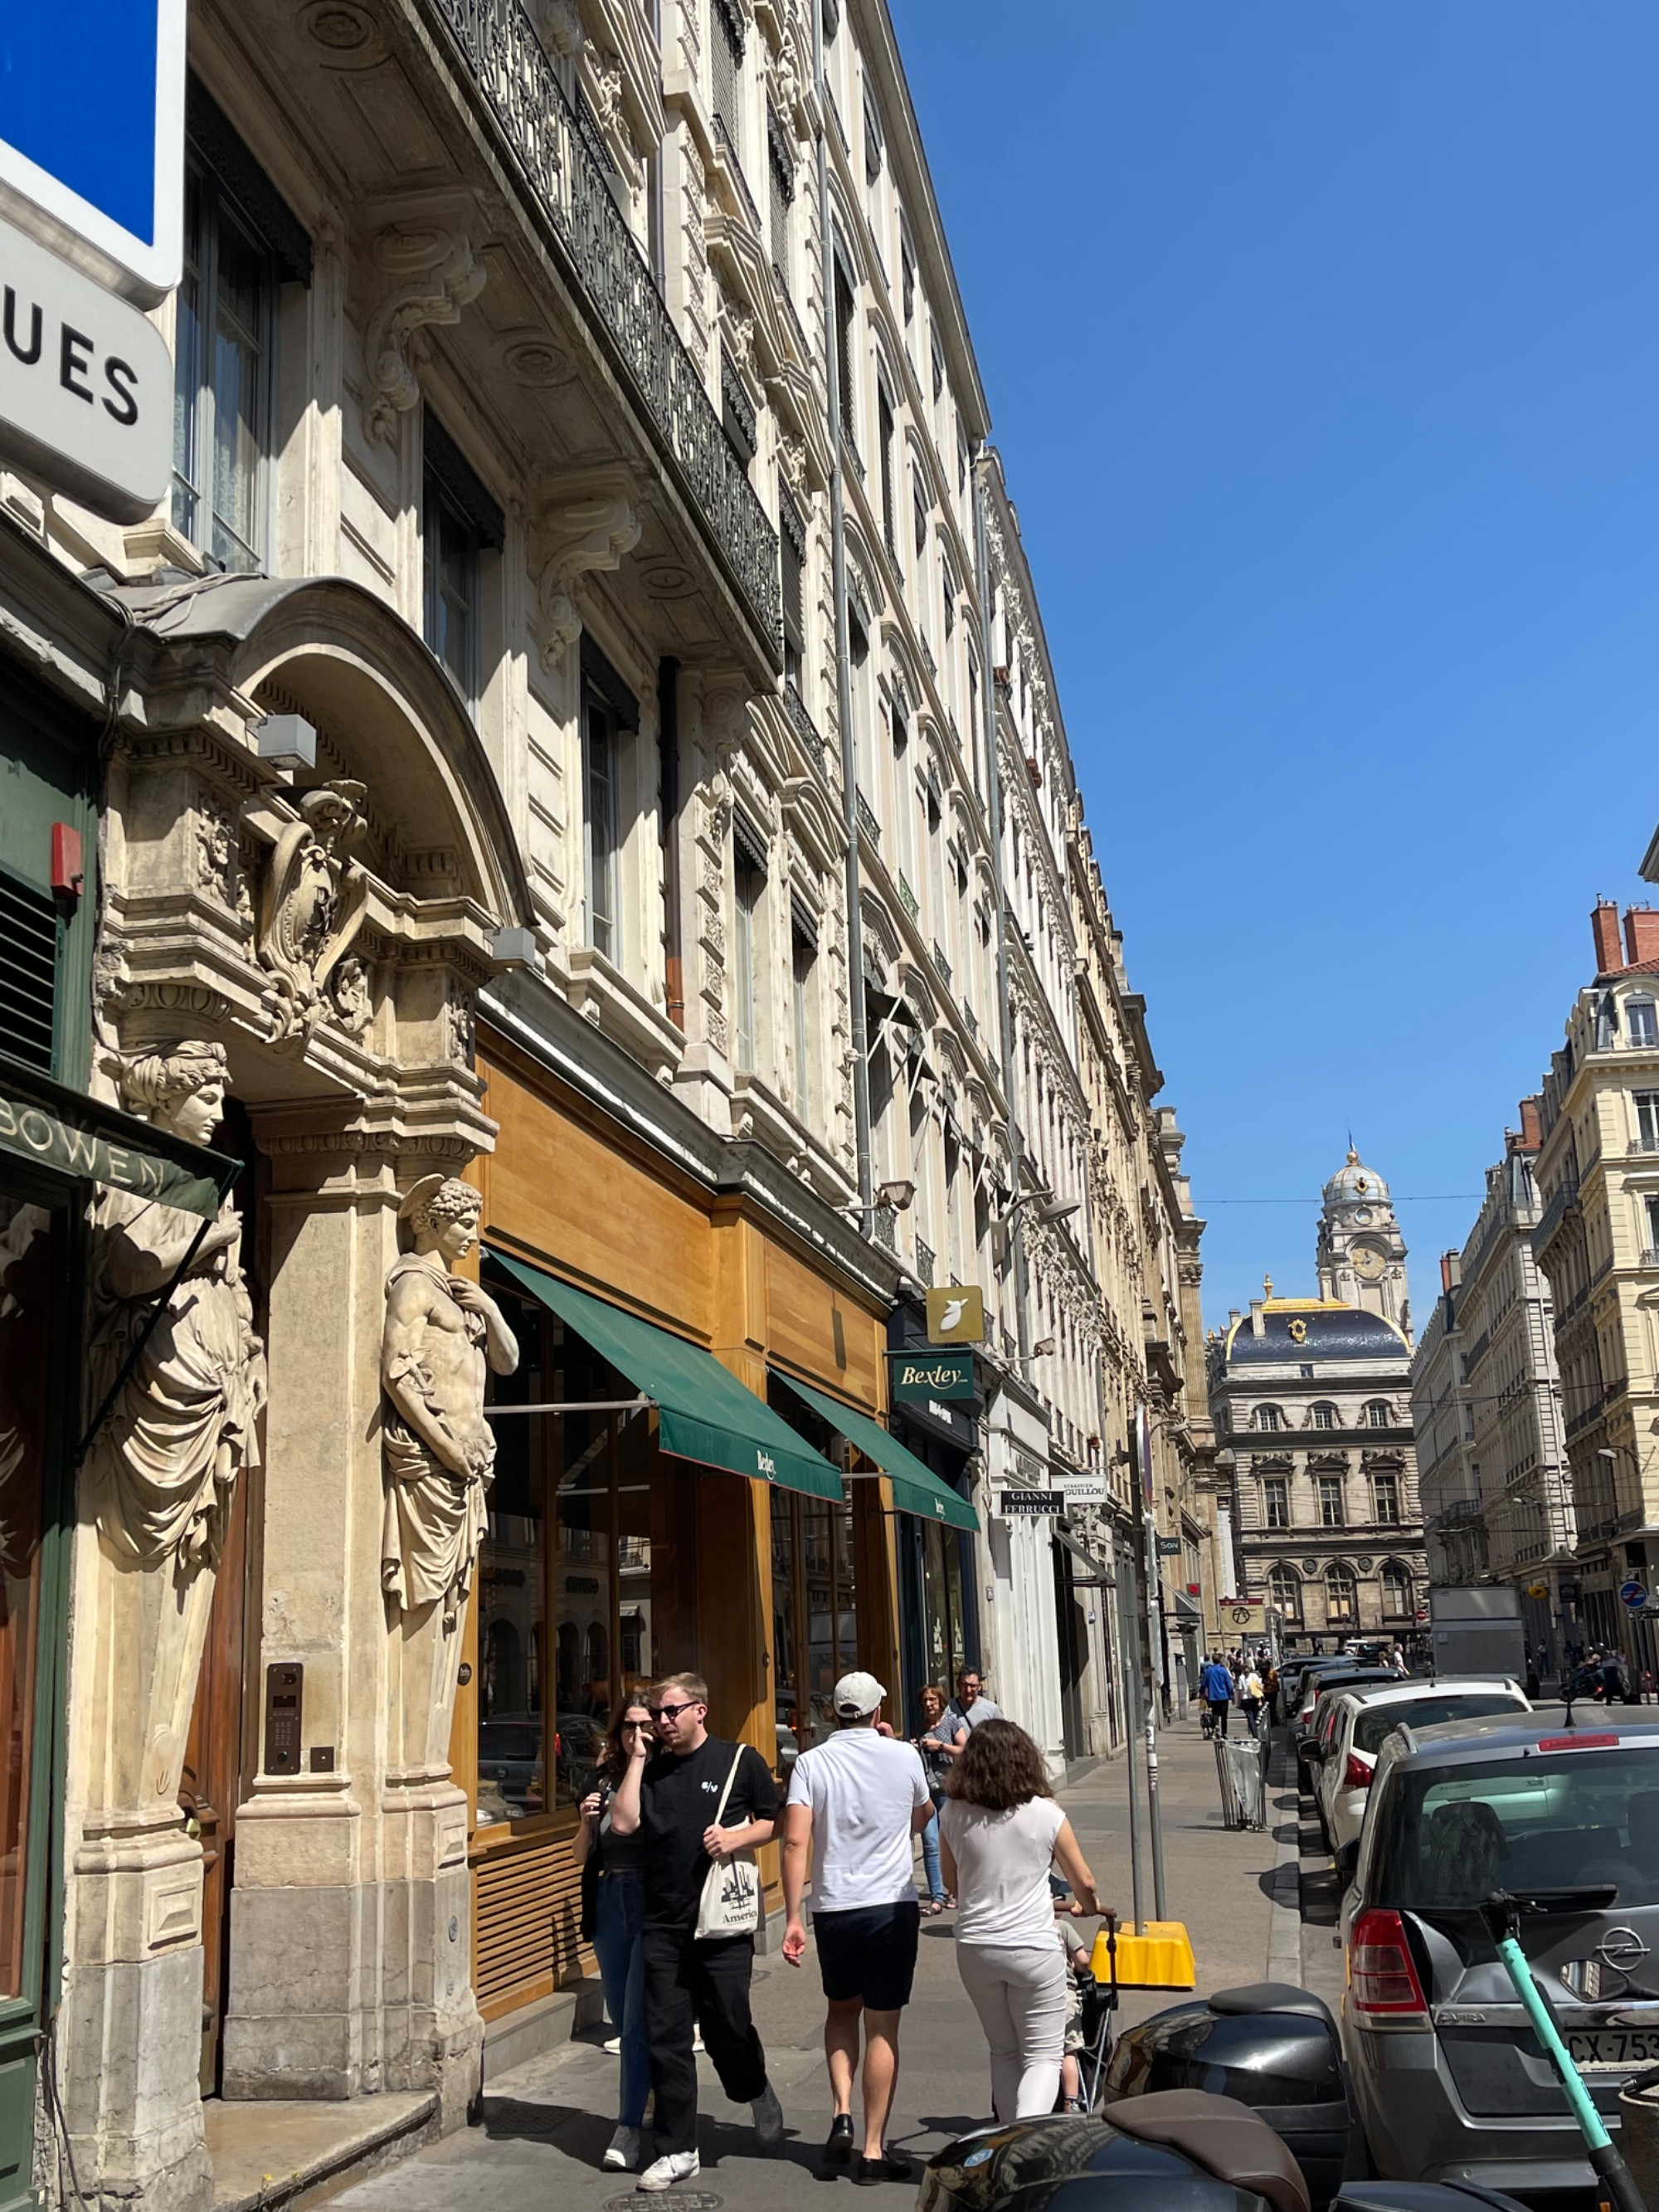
(1000, 1832)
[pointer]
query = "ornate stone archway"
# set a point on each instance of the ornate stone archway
(319, 935)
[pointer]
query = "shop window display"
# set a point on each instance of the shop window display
(570, 1568)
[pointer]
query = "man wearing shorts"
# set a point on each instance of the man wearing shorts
(855, 1804)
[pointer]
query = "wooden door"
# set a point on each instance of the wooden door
(224, 1722)
(212, 1781)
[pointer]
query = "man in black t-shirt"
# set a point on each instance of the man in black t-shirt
(672, 1799)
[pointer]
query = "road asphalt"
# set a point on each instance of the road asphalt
(544, 2125)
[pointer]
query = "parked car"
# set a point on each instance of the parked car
(1362, 1719)
(1450, 2079)
(1329, 1675)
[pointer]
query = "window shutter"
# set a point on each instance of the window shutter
(28, 974)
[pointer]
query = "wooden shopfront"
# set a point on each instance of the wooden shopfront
(708, 1529)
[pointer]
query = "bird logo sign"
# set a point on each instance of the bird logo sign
(957, 1315)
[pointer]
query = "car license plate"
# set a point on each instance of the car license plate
(1612, 2049)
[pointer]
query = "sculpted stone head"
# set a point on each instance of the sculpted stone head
(182, 1091)
(442, 1214)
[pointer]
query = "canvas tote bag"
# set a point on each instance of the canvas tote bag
(729, 1904)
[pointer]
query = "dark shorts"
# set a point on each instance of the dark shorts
(869, 1953)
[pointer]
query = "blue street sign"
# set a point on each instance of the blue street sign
(1633, 1594)
(92, 136)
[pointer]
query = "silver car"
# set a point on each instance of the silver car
(1450, 2082)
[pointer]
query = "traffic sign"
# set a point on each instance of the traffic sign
(1633, 1594)
(86, 385)
(92, 136)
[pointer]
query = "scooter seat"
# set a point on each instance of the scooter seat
(1225, 2137)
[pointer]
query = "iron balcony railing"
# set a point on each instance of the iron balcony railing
(559, 160)
(925, 1260)
(908, 899)
(805, 728)
(867, 821)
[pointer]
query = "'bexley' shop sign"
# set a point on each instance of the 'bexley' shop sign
(92, 182)
(920, 1377)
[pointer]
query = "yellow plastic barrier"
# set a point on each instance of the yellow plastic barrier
(1161, 1958)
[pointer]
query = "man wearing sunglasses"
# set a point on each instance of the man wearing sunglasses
(672, 1798)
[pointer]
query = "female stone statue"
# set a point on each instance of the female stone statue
(166, 1460)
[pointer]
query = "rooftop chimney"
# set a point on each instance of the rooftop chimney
(1641, 933)
(1452, 1270)
(1532, 1127)
(1604, 921)
(1258, 1326)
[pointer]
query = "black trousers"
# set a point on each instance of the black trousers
(1220, 1708)
(706, 1985)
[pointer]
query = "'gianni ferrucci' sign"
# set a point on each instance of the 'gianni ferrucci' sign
(88, 1147)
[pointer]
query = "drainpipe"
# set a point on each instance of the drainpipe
(668, 776)
(993, 807)
(843, 667)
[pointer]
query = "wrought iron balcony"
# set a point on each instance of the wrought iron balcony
(867, 821)
(734, 171)
(805, 728)
(942, 964)
(560, 162)
(925, 1260)
(885, 1221)
(908, 899)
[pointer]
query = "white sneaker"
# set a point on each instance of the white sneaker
(673, 2166)
(613, 2046)
(768, 2118)
(624, 2154)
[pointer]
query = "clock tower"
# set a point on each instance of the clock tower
(1362, 1254)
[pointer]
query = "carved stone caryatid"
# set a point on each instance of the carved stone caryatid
(184, 1424)
(441, 1332)
(434, 275)
(311, 904)
(589, 520)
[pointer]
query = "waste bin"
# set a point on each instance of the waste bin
(1638, 2140)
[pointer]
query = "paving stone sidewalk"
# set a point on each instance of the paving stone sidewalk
(546, 2124)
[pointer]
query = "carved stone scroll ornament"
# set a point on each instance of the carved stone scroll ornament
(590, 522)
(441, 1333)
(311, 904)
(165, 1460)
(435, 274)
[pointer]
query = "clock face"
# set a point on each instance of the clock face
(1368, 1263)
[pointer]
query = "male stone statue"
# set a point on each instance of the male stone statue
(439, 1455)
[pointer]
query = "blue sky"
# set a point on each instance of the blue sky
(1321, 344)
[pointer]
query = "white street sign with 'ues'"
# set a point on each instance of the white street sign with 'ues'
(86, 385)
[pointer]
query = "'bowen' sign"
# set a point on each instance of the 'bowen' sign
(74, 1144)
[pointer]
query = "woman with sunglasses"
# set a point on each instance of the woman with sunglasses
(618, 1915)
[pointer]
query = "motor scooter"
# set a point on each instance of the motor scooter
(1236, 2102)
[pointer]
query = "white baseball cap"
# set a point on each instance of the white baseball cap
(857, 1695)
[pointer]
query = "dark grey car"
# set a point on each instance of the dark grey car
(1450, 2082)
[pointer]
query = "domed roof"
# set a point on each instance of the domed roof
(1315, 1329)
(1353, 1183)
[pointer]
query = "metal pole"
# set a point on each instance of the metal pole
(1155, 1647)
(1154, 1816)
(1128, 1636)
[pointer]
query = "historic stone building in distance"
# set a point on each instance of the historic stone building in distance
(1310, 1398)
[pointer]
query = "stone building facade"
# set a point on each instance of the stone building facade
(507, 863)
(1310, 1398)
(1486, 1410)
(1597, 1243)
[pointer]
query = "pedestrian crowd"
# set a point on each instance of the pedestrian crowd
(673, 1904)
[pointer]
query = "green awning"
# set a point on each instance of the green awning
(706, 1414)
(916, 1488)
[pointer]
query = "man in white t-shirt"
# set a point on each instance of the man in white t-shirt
(855, 1803)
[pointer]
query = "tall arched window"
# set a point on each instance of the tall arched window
(1379, 1414)
(1321, 1416)
(1284, 1593)
(1396, 1591)
(1340, 1597)
(1266, 1417)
